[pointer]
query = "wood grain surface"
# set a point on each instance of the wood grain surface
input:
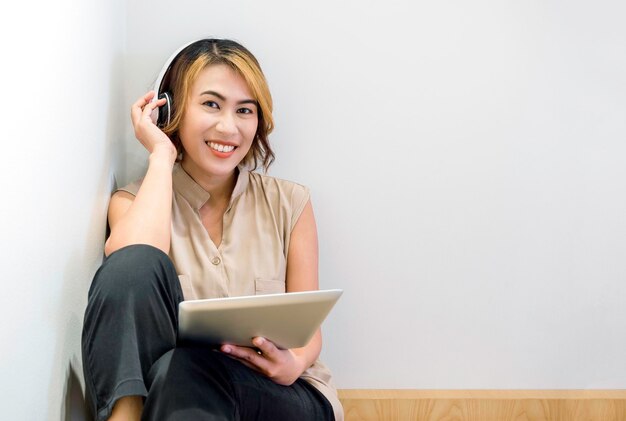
(484, 405)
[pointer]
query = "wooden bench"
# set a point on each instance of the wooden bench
(487, 405)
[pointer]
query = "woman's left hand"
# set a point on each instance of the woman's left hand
(283, 366)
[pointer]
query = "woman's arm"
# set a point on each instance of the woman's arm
(146, 218)
(303, 274)
(285, 366)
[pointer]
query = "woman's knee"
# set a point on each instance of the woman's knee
(134, 270)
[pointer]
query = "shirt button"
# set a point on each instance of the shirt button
(216, 260)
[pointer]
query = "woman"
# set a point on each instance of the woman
(200, 224)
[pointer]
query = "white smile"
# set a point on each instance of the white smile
(220, 148)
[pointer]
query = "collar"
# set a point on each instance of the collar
(196, 195)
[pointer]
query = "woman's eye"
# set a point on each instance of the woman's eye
(211, 104)
(245, 111)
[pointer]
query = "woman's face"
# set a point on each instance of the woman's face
(219, 124)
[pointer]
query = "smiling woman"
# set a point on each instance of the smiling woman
(197, 58)
(203, 224)
(217, 131)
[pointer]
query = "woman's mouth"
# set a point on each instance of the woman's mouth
(221, 150)
(220, 147)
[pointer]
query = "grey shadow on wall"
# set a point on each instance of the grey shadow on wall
(76, 409)
(67, 375)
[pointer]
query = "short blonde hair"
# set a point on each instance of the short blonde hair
(184, 71)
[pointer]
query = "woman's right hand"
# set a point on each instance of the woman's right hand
(150, 136)
(145, 218)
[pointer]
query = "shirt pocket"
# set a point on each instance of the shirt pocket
(187, 287)
(268, 286)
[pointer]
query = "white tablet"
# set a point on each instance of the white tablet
(289, 320)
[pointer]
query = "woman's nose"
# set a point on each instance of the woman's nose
(226, 123)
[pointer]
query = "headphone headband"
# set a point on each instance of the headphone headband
(168, 63)
(162, 115)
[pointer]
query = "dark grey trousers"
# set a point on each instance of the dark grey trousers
(130, 347)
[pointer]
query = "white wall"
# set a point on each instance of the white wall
(467, 167)
(61, 119)
(466, 164)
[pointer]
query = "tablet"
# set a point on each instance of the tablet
(289, 319)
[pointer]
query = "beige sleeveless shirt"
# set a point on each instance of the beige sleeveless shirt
(252, 257)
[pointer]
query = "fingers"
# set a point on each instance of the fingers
(280, 365)
(147, 97)
(267, 347)
(137, 107)
(250, 357)
(144, 106)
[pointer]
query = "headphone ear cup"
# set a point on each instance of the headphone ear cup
(165, 110)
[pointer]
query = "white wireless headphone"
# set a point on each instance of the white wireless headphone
(163, 115)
